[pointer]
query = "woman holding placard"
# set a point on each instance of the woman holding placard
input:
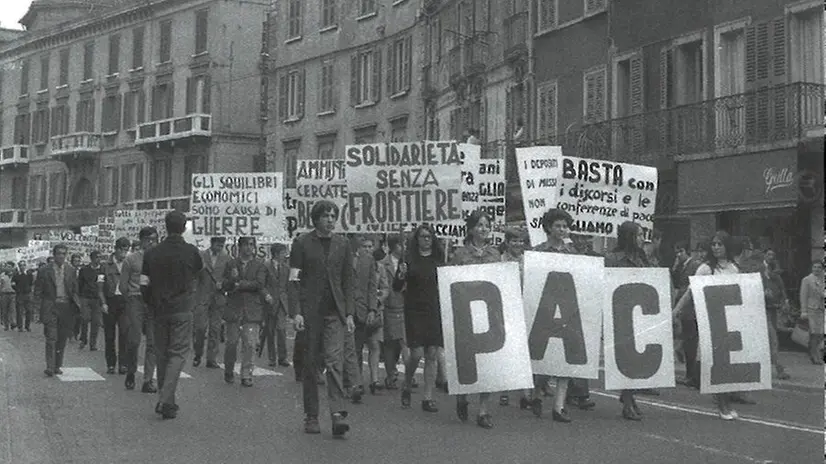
(476, 250)
(417, 279)
(628, 253)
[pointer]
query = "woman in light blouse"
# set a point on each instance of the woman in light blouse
(811, 307)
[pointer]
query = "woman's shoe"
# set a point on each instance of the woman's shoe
(504, 400)
(462, 410)
(629, 413)
(561, 416)
(391, 384)
(485, 421)
(429, 406)
(524, 403)
(635, 407)
(405, 398)
(374, 387)
(536, 407)
(728, 414)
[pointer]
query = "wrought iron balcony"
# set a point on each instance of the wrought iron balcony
(14, 155)
(779, 116)
(12, 218)
(516, 37)
(79, 145)
(166, 130)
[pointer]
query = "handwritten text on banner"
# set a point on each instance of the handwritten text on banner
(238, 204)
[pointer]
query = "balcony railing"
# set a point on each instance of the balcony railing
(164, 130)
(12, 218)
(516, 36)
(75, 145)
(14, 155)
(179, 203)
(771, 117)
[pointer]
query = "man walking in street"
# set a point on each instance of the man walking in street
(321, 303)
(245, 281)
(368, 330)
(54, 293)
(278, 272)
(7, 294)
(167, 285)
(137, 316)
(211, 301)
(23, 283)
(88, 279)
(113, 306)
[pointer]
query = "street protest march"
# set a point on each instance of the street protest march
(319, 179)
(127, 223)
(483, 188)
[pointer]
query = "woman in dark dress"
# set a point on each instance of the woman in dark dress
(422, 317)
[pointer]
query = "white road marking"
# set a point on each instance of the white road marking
(703, 412)
(184, 375)
(256, 371)
(79, 374)
(705, 448)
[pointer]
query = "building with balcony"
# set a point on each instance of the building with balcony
(342, 73)
(113, 104)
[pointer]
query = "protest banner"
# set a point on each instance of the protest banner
(238, 204)
(90, 230)
(128, 223)
(34, 253)
(320, 180)
(563, 309)
(8, 255)
(486, 348)
(483, 188)
(637, 328)
(391, 186)
(539, 173)
(733, 333)
(262, 245)
(601, 195)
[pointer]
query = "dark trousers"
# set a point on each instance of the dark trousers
(90, 315)
(6, 309)
(173, 338)
(300, 350)
(57, 328)
(137, 322)
(352, 360)
(327, 333)
(114, 330)
(207, 327)
(24, 310)
(274, 334)
(690, 342)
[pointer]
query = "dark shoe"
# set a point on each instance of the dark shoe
(229, 377)
(429, 406)
(20, 329)
(311, 425)
(272, 364)
(561, 416)
(357, 394)
(536, 407)
(782, 374)
(169, 411)
(49, 373)
(284, 363)
(484, 421)
(320, 379)
(405, 398)
(415, 384)
(524, 403)
(391, 383)
(81, 346)
(196, 362)
(93, 348)
(340, 426)
(149, 387)
(123, 370)
(159, 407)
(212, 365)
(504, 400)
(628, 413)
(28, 329)
(462, 410)
(374, 387)
(130, 381)
(110, 370)
(635, 407)
(741, 398)
(582, 403)
(246, 382)
(57, 371)
(299, 378)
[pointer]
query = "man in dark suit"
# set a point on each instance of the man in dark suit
(321, 303)
(278, 273)
(245, 281)
(113, 291)
(211, 302)
(368, 331)
(685, 267)
(54, 293)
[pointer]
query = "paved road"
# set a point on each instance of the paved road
(45, 421)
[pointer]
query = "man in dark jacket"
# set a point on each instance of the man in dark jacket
(88, 279)
(23, 283)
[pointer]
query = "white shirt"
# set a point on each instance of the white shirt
(727, 268)
(117, 282)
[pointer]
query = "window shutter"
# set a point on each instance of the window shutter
(115, 185)
(46, 124)
(594, 94)
(391, 69)
(334, 96)
(79, 116)
(552, 102)
(779, 99)
(666, 77)
(141, 106)
(637, 94)
(283, 91)
(207, 95)
(102, 186)
(124, 192)
(139, 181)
(751, 54)
(321, 101)
(190, 95)
(354, 79)
(779, 48)
(170, 101)
(302, 79)
(377, 75)
(408, 58)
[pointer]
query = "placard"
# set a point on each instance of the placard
(483, 188)
(238, 204)
(320, 180)
(128, 223)
(539, 172)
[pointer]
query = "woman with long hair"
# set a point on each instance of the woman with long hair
(628, 253)
(417, 279)
(476, 250)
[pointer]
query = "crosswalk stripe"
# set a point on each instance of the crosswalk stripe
(256, 371)
(79, 374)
(184, 375)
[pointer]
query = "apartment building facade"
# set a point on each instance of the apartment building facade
(342, 73)
(117, 108)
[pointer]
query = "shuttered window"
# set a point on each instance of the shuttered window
(88, 60)
(165, 46)
(365, 77)
(766, 107)
(291, 89)
(547, 15)
(295, 19)
(198, 95)
(594, 6)
(326, 86)
(201, 24)
(114, 54)
(594, 83)
(63, 78)
(399, 65)
(110, 119)
(137, 47)
(546, 110)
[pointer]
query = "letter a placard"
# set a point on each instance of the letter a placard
(486, 349)
(732, 326)
(639, 342)
(563, 308)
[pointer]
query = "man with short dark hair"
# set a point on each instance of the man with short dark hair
(23, 283)
(278, 273)
(54, 292)
(211, 299)
(7, 294)
(168, 284)
(88, 279)
(113, 290)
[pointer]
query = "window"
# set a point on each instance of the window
(64, 68)
(131, 182)
(57, 190)
(193, 164)
(110, 118)
(806, 45)
(291, 162)
(134, 108)
(201, 23)
(398, 130)
(37, 193)
(628, 86)
(22, 129)
(437, 32)
(367, 7)
(291, 95)
(326, 102)
(399, 58)
(88, 60)
(40, 126)
(161, 178)
(109, 186)
(25, 76)
(85, 114)
(547, 15)
(163, 97)
(326, 147)
(18, 193)
(114, 54)
(295, 19)
(137, 47)
(60, 118)
(165, 48)
(365, 135)
(682, 74)
(328, 13)
(730, 60)
(594, 95)
(365, 77)
(44, 72)
(546, 109)
(594, 6)
(197, 95)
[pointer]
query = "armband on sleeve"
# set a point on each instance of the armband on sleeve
(295, 275)
(144, 280)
